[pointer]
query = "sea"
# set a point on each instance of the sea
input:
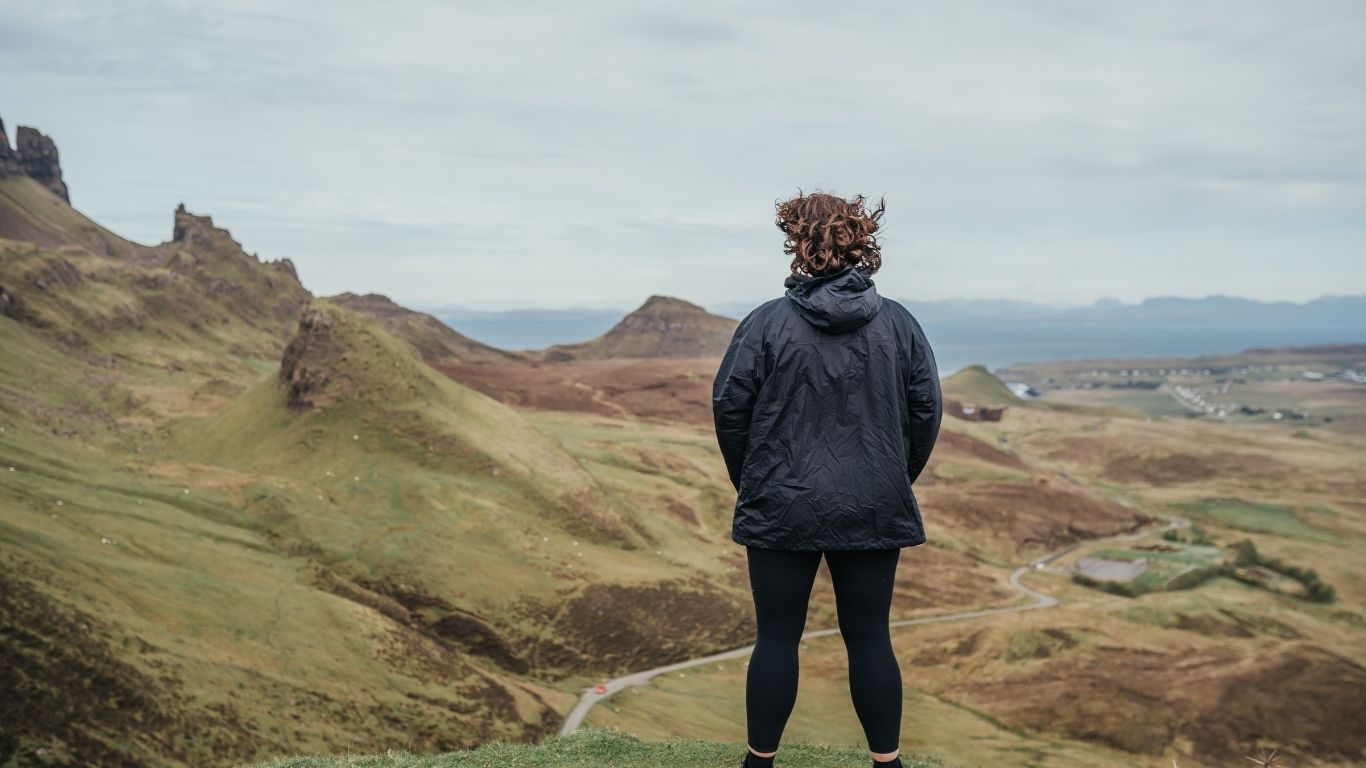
(956, 344)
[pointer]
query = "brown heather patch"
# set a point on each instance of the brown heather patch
(618, 628)
(70, 688)
(658, 389)
(1043, 515)
(950, 443)
(1221, 702)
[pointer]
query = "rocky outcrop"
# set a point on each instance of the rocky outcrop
(200, 235)
(306, 368)
(38, 160)
(9, 304)
(9, 159)
(191, 229)
(34, 155)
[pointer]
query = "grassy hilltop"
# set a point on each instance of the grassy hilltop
(598, 748)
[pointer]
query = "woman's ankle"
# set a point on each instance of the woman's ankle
(893, 762)
(755, 760)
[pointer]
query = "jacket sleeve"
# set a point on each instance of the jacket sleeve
(733, 394)
(925, 401)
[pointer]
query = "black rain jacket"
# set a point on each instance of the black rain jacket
(827, 405)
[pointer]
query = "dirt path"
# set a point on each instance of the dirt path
(1039, 600)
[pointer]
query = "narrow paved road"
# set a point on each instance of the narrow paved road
(1040, 600)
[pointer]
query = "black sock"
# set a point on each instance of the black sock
(893, 763)
(754, 761)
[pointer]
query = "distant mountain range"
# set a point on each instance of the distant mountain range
(1000, 332)
(527, 328)
(1169, 311)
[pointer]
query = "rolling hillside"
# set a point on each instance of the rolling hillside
(260, 523)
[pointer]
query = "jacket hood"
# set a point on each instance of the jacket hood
(837, 302)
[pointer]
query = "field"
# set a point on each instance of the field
(1109, 680)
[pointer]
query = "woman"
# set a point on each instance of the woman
(827, 405)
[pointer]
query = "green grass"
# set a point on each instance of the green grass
(599, 748)
(1159, 574)
(1146, 402)
(949, 470)
(1274, 519)
(1164, 568)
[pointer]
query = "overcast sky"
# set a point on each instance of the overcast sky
(556, 154)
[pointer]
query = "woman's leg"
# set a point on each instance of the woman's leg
(781, 582)
(863, 597)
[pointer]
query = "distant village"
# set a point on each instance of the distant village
(1214, 400)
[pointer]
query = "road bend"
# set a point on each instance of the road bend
(1037, 600)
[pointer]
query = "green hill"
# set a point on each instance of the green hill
(343, 374)
(975, 384)
(598, 748)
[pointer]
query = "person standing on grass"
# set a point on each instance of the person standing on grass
(827, 405)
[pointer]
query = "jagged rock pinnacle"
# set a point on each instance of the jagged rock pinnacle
(200, 230)
(34, 155)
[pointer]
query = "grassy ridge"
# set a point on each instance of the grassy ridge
(599, 748)
(30, 211)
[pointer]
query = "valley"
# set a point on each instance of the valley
(238, 520)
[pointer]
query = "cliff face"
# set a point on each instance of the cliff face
(199, 233)
(35, 156)
(9, 159)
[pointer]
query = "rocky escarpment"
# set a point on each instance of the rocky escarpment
(199, 232)
(248, 286)
(34, 155)
(662, 327)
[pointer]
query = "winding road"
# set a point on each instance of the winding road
(1040, 600)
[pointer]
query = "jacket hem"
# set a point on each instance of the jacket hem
(817, 545)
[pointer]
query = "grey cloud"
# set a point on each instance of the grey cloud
(1063, 150)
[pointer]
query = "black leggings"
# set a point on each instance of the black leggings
(781, 582)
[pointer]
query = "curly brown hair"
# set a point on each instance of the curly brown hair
(826, 233)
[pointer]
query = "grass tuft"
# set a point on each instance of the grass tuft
(598, 748)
